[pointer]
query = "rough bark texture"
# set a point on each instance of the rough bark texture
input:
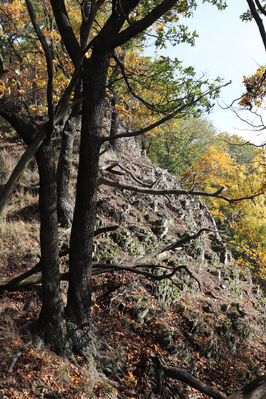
(81, 242)
(114, 121)
(51, 324)
(64, 200)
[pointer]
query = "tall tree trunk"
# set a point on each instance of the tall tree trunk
(114, 120)
(51, 324)
(81, 241)
(64, 201)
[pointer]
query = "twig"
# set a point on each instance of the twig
(17, 356)
(172, 115)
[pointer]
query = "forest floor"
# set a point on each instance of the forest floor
(215, 332)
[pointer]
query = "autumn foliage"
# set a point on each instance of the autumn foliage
(244, 221)
(255, 89)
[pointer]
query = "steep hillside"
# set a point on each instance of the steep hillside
(205, 318)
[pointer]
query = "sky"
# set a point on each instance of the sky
(226, 47)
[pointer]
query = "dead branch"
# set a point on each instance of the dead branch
(17, 356)
(177, 192)
(181, 375)
(116, 164)
(26, 279)
(13, 282)
(21, 166)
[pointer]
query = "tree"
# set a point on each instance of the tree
(89, 33)
(254, 96)
(245, 222)
(256, 11)
(177, 145)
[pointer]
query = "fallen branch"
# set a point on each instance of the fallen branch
(25, 279)
(181, 375)
(176, 244)
(12, 284)
(177, 192)
(116, 164)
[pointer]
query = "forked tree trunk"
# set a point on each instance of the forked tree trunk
(51, 325)
(81, 241)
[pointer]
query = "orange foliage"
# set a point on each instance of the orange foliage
(246, 220)
(255, 88)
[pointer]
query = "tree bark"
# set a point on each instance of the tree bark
(64, 201)
(114, 121)
(81, 241)
(51, 323)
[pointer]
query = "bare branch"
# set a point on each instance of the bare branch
(49, 62)
(142, 100)
(65, 29)
(262, 10)
(27, 279)
(100, 268)
(21, 165)
(258, 20)
(177, 192)
(116, 164)
(184, 376)
(166, 118)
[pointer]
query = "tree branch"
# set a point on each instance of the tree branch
(27, 279)
(122, 67)
(166, 118)
(116, 164)
(65, 29)
(258, 20)
(262, 10)
(139, 26)
(9, 187)
(49, 62)
(177, 192)
(87, 19)
(181, 375)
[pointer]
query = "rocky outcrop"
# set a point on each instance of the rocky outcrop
(206, 314)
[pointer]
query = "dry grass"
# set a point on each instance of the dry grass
(19, 222)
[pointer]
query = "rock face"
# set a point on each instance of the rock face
(149, 223)
(206, 316)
